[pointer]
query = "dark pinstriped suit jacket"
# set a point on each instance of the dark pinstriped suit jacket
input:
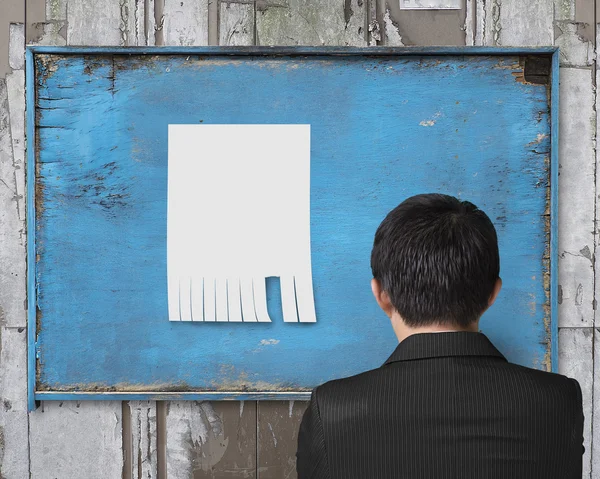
(444, 405)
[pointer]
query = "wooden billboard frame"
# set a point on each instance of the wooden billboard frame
(32, 51)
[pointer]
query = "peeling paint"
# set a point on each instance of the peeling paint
(392, 31)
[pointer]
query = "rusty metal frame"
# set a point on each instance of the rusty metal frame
(33, 397)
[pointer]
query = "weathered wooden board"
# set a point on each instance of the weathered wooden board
(101, 182)
(576, 353)
(211, 440)
(64, 436)
(310, 22)
(278, 423)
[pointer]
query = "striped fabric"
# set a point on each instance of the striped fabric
(444, 405)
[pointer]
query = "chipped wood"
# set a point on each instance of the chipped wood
(236, 24)
(14, 443)
(16, 46)
(575, 51)
(304, 22)
(211, 440)
(185, 23)
(576, 193)
(392, 31)
(76, 439)
(56, 9)
(278, 423)
(142, 453)
(94, 23)
(575, 352)
(12, 226)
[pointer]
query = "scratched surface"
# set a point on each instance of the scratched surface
(382, 129)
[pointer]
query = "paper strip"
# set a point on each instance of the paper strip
(234, 300)
(260, 300)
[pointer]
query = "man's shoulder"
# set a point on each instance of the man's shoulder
(520, 378)
(540, 380)
(352, 385)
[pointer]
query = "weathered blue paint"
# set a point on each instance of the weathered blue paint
(31, 282)
(296, 51)
(384, 127)
(554, 99)
(168, 396)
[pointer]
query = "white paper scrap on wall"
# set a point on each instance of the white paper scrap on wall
(430, 4)
(238, 212)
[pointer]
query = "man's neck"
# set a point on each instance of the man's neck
(403, 331)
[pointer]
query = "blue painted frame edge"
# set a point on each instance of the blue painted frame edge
(30, 181)
(173, 396)
(554, 126)
(31, 50)
(222, 50)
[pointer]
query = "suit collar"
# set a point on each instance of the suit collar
(437, 345)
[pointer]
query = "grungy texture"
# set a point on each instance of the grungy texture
(489, 22)
(304, 22)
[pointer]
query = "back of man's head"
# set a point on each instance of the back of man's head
(437, 259)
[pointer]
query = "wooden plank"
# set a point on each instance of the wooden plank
(211, 440)
(185, 23)
(575, 360)
(14, 445)
(278, 424)
(76, 439)
(373, 27)
(524, 23)
(236, 24)
(106, 22)
(12, 226)
(16, 47)
(391, 30)
(311, 22)
(140, 450)
(94, 23)
(574, 33)
(514, 22)
(596, 411)
(575, 50)
(423, 27)
(576, 193)
(56, 9)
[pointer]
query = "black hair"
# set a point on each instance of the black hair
(437, 259)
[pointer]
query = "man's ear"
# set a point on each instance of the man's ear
(495, 292)
(382, 298)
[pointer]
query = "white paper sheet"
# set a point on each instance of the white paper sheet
(238, 212)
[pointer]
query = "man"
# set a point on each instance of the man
(446, 404)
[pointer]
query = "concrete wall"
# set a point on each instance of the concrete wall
(250, 439)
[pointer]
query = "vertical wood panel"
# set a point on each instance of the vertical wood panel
(236, 24)
(311, 22)
(422, 27)
(211, 440)
(278, 423)
(575, 356)
(14, 447)
(76, 439)
(185, 23)
(514, 22)
(577, 198)
(595, 452)
(140, 449)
